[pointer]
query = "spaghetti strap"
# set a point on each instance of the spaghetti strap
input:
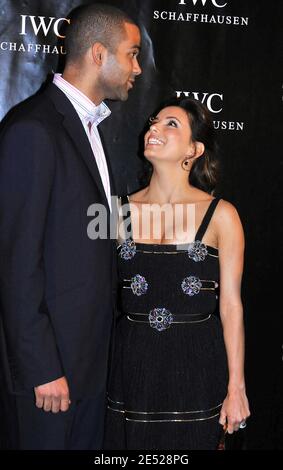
(124, 201)
(126, 212)
(207, 218)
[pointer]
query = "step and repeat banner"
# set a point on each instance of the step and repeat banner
(225, 53)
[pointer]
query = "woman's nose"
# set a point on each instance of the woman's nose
(153, 126)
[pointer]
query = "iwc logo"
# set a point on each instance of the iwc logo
(215, 104)
(200, 16)
(37, 25)
(215, 3)
(41, 23)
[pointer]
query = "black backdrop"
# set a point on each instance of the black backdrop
(227, 54)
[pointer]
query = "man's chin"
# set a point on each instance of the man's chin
(122, 96)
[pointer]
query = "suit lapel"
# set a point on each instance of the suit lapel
(111, 178)
(75, 129)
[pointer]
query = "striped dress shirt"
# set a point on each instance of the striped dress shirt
(90, 116)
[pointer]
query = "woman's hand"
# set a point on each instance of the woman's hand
(235, 410)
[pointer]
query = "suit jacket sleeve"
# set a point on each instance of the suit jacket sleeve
(27, 168)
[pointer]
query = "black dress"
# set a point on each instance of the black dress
(169, 370)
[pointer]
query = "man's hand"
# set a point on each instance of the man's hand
(53, 396)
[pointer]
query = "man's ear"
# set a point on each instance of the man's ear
(98, 51)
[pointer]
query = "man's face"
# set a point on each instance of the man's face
(120, 69)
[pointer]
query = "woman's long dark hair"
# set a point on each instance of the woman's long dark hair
(205, 169)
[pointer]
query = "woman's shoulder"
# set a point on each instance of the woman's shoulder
(227, 216)
(226, 208)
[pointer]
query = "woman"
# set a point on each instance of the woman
(178, 367)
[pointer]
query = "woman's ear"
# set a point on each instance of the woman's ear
(196, 150)
(199, 149)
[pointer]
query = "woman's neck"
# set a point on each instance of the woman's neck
(164, 188)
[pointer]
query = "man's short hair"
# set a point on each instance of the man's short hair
(94, 23)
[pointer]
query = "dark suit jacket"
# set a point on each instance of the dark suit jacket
(56, 284)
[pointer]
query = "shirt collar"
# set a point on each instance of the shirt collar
(87, 110)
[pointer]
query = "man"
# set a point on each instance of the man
(57, 284)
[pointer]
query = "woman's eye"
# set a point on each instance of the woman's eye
(172, 123)
(151, 121)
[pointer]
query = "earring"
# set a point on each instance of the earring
(185, 165)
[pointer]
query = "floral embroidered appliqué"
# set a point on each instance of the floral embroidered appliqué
(197, 251)
(128, 249)
(160, 319)
(139, 285)
(191, 285)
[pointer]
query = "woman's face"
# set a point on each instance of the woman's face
(169, 137)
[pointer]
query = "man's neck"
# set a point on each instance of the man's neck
(82, 84)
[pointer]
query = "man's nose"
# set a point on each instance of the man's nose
(137, 68)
